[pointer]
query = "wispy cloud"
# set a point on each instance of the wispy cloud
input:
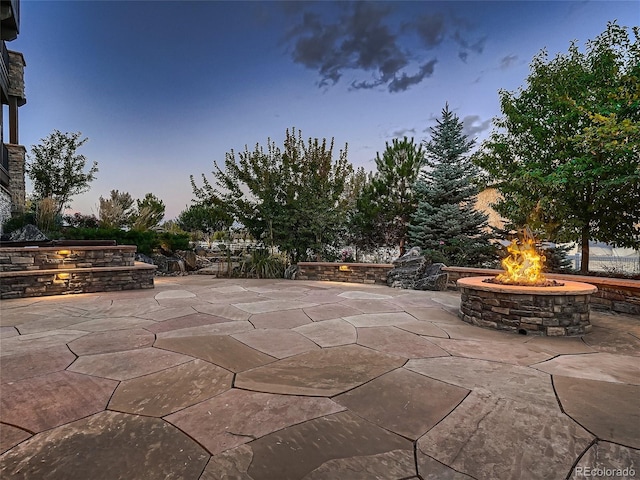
(403, 132)
(507, 61)
(473, 125)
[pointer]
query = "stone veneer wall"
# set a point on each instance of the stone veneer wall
(614, 294)
(354, 272)
(34, 272)
(45, 258)
(80, 280)
(548, 315)
(5, 207)
(16, 75)
(17, 154)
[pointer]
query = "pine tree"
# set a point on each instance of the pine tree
(446, 225)
(392, 189)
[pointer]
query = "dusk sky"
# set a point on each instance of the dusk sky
(162, 89)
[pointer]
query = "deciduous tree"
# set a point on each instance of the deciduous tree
(290, 197)
(566, 150)
(204, 218)
(57, 171)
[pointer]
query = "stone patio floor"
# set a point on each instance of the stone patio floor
(204, 378)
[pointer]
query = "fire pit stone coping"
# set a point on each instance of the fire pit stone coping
(548, 311)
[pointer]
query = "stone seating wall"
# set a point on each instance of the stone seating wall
(614, 294)
(61, 270)
(14, 259)
(344, 272)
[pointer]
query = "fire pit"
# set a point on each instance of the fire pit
(522, 300)
(553, 311)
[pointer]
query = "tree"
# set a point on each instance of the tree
(446, 224)
(57, 171)
(149, 213)
(364, 224)
(292, 198)
(397, 172)
(566, 152)
(116, 211)
(204, 218)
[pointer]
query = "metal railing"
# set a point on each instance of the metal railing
(4, 71)
(627, 265)
(4, 166)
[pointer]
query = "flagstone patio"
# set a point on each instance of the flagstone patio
(205, 379)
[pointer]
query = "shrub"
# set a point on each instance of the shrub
(146, 241)
(78, 220)
(46, 213)
(171, 242)
(262, 264)
(18, 221)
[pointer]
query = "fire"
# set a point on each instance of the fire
(524, 264)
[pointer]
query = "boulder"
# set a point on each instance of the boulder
(433, 278)
(413, 271)
(141, 257)
(189, 258)
(168, 265)
(407, 269)
(28, 233)
(291, 272)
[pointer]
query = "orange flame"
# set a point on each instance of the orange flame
(524, 264)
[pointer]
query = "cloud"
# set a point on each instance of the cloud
(403, 132)
(430, 29)
(400, 84)
(362, 37)
(359, 40)
(507, 61)
(472, 125)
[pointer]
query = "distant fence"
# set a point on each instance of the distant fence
(629, 264)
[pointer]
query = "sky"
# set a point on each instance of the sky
(162, 89)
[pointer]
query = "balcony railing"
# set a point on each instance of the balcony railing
(4, 72)
(4, 167)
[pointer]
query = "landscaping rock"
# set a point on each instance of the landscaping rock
(407, 269)
(170, 265)
(291, 272)
(141, 257)
(433, 278)
(189, 258)
(28, 233)
(414, 272)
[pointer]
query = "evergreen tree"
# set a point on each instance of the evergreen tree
(392, 190)
(446, 225)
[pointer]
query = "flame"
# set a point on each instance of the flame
(524, 264)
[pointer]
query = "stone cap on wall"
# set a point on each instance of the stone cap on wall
(338, 264)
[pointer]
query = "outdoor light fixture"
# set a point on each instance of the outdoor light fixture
(344, 268)
(64, 253)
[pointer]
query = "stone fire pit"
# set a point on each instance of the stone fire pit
(550, 311)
